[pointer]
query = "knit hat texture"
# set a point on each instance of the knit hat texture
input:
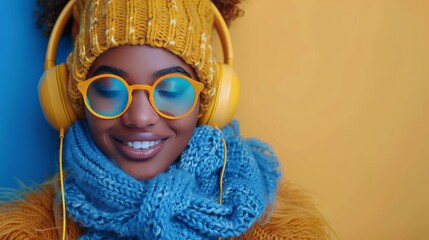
(182, 27)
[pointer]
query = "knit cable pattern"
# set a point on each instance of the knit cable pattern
(181, 203)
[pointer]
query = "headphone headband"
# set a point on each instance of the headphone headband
(63, 18)
(56, 34)
(225, 38)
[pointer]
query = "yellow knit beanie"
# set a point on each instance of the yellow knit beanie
(183, 27)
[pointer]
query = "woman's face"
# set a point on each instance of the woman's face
(140, 123)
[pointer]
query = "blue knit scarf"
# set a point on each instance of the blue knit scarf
(181, 203)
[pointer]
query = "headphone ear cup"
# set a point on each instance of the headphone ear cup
(54, 99)
(222, 109)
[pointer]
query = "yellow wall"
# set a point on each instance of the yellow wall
(340, 89)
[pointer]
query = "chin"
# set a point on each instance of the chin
(142, 172)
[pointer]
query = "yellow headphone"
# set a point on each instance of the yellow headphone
(58, 110)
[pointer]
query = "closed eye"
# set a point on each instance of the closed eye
(172, 87)
(108, 93)
(171, 94)
(108, 87)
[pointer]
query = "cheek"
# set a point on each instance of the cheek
(185, 127)
(95, 124)
(99, 129)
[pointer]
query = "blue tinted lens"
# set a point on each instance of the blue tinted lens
(107, 96)
(174, 96)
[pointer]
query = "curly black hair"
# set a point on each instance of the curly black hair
(229, 9)
(49, 10)
(47, 14)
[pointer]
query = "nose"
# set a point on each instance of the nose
(140, 113)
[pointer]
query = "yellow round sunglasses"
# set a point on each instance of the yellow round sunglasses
(172, 96)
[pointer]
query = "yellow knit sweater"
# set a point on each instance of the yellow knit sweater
(35, 214)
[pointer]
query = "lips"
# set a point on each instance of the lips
(141, 146)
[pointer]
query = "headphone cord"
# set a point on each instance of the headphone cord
(62, 183)
(225, 153)
(222, 173)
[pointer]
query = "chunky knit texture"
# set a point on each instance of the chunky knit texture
(34, 213)
(181, 203)
(182, 27)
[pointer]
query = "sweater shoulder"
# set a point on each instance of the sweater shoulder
(294, 217)
(31, 214)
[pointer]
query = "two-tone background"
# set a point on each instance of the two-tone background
(340, 88)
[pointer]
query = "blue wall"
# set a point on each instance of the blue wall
(28, 145)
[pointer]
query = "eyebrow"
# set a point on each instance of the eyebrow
(119, 72)
(175, 69)
(111, 70)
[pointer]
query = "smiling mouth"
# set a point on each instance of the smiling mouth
(140, 150)
(142, 144)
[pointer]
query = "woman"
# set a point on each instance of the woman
(139, 165)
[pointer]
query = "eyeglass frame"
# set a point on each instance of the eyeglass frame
(83, 89)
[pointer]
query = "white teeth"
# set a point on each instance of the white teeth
(142, 144)
(137, 144)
